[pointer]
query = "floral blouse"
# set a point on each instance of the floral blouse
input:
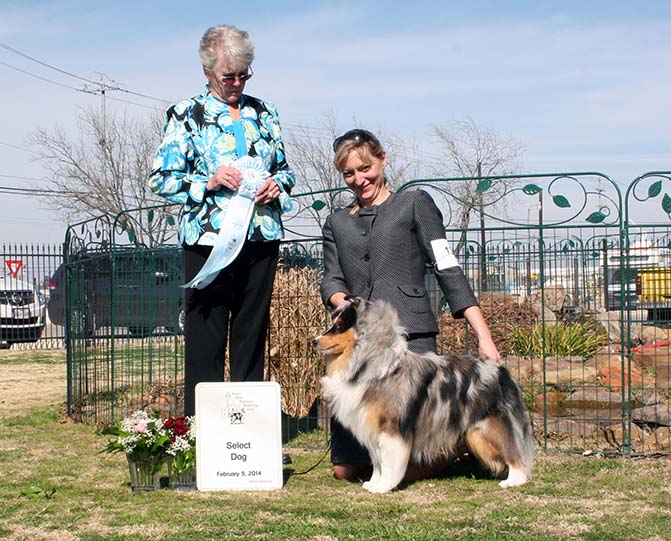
(199, 137)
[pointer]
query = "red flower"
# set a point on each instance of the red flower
(177, 426)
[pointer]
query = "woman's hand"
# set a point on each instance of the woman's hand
(268, 192)
(226, 176)
(486, 347)
(487, 350)
(338, 302)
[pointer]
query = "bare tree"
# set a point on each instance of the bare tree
(319, 184)
(472, 152)
(103, 170)
(310, 153)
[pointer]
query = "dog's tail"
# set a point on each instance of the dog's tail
(505, 438)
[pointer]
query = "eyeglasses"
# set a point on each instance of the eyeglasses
(242, 77)
(356, 135)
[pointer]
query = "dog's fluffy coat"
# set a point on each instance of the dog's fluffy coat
(403, 406)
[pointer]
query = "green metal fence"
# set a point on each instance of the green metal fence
(550, 257)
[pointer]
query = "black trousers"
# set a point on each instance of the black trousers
(345, 449)
(233, 310)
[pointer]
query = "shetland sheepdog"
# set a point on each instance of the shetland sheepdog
(404, 406)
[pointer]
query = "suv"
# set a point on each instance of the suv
(22, 311)
(135, 289)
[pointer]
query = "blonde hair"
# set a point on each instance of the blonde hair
(366, 148)
(228, 42)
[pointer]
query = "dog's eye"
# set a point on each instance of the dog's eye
(346, 320)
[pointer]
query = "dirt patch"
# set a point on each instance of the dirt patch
(28, 384)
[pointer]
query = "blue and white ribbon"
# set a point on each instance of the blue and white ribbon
(233, 231)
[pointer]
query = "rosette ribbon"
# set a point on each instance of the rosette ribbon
(233, 231)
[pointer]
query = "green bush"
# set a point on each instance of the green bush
(561, 339)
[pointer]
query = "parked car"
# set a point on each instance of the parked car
(22, 311)
(135, 289)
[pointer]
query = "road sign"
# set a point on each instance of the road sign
(14, 266)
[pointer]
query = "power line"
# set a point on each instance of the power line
(162, 100)
(291, 129)
(13, 190)
(17, 177)
(24, 55)
(103, 86)
(40, 77)
(132, 102)
(26, 191)
(15, 146)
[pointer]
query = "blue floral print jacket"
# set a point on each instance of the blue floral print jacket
(199, 137)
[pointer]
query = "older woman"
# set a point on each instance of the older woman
(209, 140)
(379, 248)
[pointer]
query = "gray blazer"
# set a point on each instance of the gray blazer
(381, 252)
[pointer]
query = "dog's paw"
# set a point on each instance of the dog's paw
(516, 478)
(508, 484)
(374, 488)
(379, 489)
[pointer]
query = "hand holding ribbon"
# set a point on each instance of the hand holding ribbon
(268, 192)
(233, 231)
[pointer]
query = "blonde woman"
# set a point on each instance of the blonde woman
(379, 248)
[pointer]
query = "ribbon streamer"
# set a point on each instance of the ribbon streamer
(233, 231)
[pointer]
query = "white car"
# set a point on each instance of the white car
(22, 311)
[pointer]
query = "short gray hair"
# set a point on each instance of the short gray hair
(232, 43)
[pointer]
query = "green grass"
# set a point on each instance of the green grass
(55, 485)
(42, 357)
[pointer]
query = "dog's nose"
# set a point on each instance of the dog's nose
(315, 342)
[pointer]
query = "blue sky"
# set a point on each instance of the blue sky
(583, 85)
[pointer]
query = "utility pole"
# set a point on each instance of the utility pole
(101, 89)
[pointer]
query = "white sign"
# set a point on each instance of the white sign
(238, 436)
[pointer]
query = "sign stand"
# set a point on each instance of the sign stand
(238, 436)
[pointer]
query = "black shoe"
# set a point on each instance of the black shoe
(286, 459)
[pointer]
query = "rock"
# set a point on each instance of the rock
(558, 428)
(650, 334)
(555, 298)
(554, 401)
(594, 405)
(656, 414)
(522, 369)
(614, 435)
(568, 372)
(651, 398)
(138, 402)
(663, 376)
(164, 404)
(658, 441)
(611, 325)
(594, 397)
(616, 375)
(646, 356)
(609, 351)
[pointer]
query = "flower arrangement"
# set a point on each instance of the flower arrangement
(182, 449)
(141, 437)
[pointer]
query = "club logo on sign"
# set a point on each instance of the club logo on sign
(236, 417)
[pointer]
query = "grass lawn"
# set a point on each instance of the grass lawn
(54, 485)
